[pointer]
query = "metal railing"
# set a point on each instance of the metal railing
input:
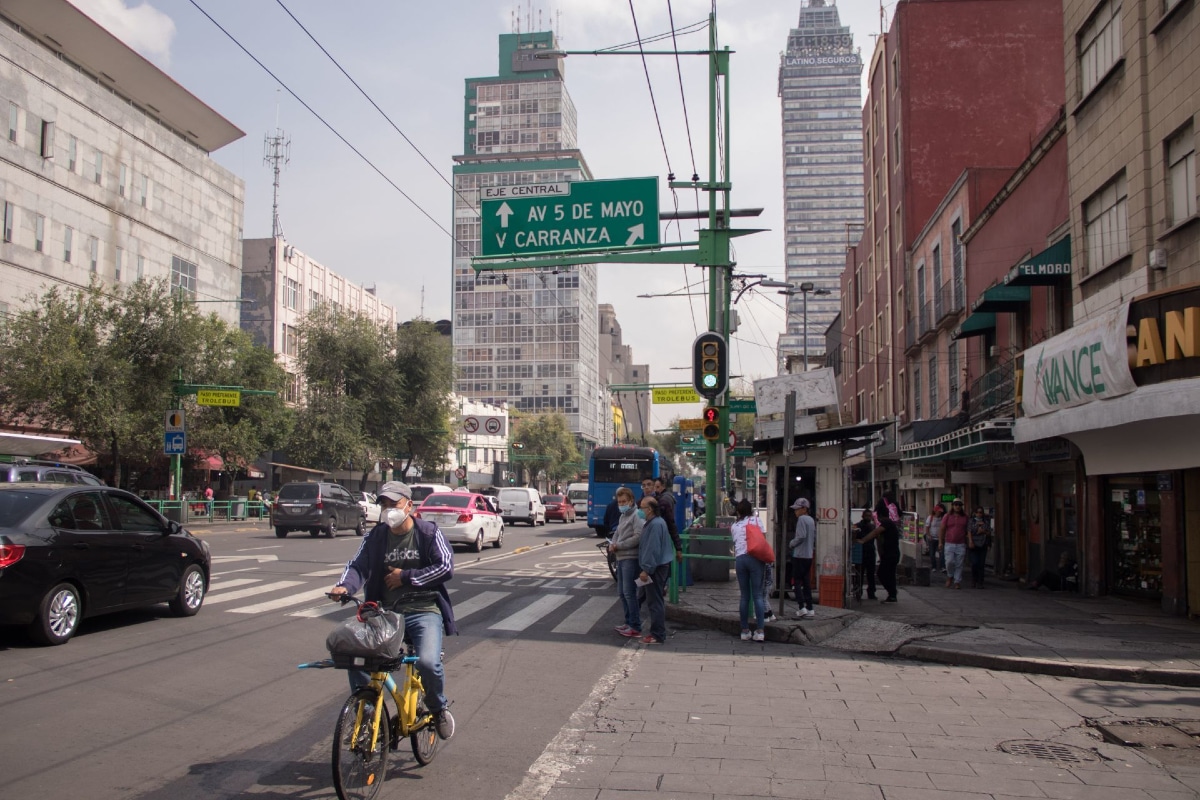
(674, 585)
(193, 511)
(993, 394)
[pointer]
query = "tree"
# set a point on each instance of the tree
(551, 444)
(423, 429)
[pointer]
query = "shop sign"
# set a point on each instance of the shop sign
(1086, 363)
(1164, 337)
(1054, 449)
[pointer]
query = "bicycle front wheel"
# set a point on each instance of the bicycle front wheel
(425, 740)
(359, 768)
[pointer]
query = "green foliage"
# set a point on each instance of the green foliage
(424, 359)
(548, 436)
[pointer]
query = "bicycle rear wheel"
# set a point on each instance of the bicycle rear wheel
(359, 769)
(425, 741)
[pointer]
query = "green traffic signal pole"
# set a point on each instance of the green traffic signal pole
(711, 250)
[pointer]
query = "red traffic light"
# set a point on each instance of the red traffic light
(712, 414)
(712, 424)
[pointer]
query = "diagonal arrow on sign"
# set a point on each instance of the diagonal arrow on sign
(259, 559)
(636, 233)
(504, 212)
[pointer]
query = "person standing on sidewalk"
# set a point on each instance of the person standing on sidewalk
(749, 573)
(802, 545)
(625, 544)
(933, 535)
(979, 538)
(954, 543)
(655, 555)
(861, 531)
(888, 535)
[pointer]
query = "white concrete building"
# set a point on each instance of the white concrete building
(283, 284)
(104, 166)
(480, 443)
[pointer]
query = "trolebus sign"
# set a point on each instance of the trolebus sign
(576, 215)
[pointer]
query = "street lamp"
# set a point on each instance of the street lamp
(805, 289)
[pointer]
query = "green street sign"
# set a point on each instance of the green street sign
(741, 452)
(742, 405)
(576, 215)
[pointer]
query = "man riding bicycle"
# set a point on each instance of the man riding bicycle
(404, 563)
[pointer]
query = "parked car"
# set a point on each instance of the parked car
(464, 517)
(316, 507)
(370, 507)
(422, 490)
(31, 470)
(558, 507)
(71, 552)
(522, 504)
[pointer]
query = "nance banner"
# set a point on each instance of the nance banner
(1087, 363)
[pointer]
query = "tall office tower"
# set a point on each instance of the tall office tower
(528, 338)
(821, 94)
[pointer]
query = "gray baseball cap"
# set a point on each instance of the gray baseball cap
(394, 490)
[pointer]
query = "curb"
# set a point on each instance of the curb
(810, 633)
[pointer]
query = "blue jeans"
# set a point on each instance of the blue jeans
(627, 573)
(425, 632)
(750, 580)
(656, 603)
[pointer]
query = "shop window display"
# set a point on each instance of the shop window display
(1136, 535)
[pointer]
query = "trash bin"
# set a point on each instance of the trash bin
(716, 570)
(832, 591)
(237, 508)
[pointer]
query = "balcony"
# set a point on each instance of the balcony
(925, 320)
(948, 302)
(993, 395)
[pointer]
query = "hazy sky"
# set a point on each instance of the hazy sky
(412, 58)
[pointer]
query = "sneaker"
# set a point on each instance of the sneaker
(758, 636)
(809, 613)
(745, 636)
(649, 639)
(891, 599)
(443, 722)
(630, 633)
(770, 617)
(623, 629)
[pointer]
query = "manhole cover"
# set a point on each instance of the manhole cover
(1049, 751)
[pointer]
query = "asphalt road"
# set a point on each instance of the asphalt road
(144, 705)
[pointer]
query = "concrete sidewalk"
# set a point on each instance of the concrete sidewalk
(1003, 627)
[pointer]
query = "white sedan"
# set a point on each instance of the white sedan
(370, 506)
(464, 519)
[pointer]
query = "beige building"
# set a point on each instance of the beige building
(629, 418)
(105, 171)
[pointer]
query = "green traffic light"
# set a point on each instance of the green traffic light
(709, 381)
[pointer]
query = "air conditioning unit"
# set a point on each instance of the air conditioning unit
(993, 351)
(1158, 258)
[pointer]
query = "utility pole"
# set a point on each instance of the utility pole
(277, 152)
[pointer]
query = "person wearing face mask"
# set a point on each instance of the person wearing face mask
(624, 545)
(403, 564)
(655, 555)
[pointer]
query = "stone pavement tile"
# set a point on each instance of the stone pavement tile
(644, 715)
(1134, 779)
(868, 738)
(971, 752)
(844, 695)
(824, 790)
(933, 714)
(910, 728)
(673, 733)
(830, 725)
(599, 743)
(910, 793)
(721, 786)
(879, 777)
(751, 751)
(930, 765)
(1163, 794)
(881, 709)
(798, 770)
(991, 784)
(992, 732)
(567, 793)
(1079, 791)
(876, 748)
(687, 766)
(1027, 772)
(621, 794)
(637, 781)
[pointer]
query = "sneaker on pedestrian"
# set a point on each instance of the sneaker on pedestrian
(649, 639)
(443, 723)
(745, 635)
(759, 636)
(809, 613)
(770, 617)
(630, 633)
(891, 598)
(623, 629)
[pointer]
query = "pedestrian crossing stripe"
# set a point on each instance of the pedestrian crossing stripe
(225, 597)
(531, 613)
(282, 602)
(583, 618)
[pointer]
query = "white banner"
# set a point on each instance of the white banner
(1088, 362)
(814, 389)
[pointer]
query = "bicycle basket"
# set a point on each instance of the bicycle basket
(373, 635)
(366, 663)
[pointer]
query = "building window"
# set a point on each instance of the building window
(47, 145)
(98, 174)
(1181, 176)
(14, 119)
(956, 263)
(122, 180)
(1099, 45)
(291, 340)
(39, 233)
(72, 152)
(68, 240)
(93, 253)
(291, 294)
(9, 212)
(916, 384)
(141, 267)
(183, 276)
(1106, 225)
(952, 376)
(933, 386)
(143, 190)
(119, 260)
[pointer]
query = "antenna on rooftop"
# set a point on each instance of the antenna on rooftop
(277, 152)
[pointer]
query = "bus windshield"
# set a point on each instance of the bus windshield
(612, 467)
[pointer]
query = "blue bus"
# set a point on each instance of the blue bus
(611, 468)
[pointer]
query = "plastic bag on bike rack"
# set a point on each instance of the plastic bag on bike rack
(374, 633)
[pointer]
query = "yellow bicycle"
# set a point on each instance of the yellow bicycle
(366, 731)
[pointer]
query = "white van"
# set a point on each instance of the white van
(522, 504)
(577, 494)
(422, 490)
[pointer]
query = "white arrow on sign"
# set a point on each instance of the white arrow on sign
(504, 212)
(636, 232)
(259, 559)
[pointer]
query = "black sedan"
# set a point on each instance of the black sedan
(69, 552)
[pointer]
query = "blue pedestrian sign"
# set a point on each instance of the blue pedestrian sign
(174, 443)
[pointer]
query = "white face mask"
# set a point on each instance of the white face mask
(394, 517)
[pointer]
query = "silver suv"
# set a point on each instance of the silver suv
(316, 507)
(33, 471)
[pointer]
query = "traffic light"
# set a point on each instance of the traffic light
(712, 424)
(518, 445)
(710, 367)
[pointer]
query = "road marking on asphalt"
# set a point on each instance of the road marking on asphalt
(477, 603)
(531, 613)
(323, 610)
(260, 559)
(249, 549)
(221, 585)
(225, 597)
(591, 552)
(231, 571)
(583, 618)
(280, 602)
(324, 573)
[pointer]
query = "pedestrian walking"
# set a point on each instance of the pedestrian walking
(933, 535)
(625, 542)
(954, 543)
(749, 573)
(888, 535)
(655, 556)
(979, 539)
(802, 546)
(861, 530)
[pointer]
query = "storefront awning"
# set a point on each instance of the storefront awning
(1050, 267)
(1001, 298)
(299, 469)
(848, 435)
(24, 444)
(976, 324)
(962, 443)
